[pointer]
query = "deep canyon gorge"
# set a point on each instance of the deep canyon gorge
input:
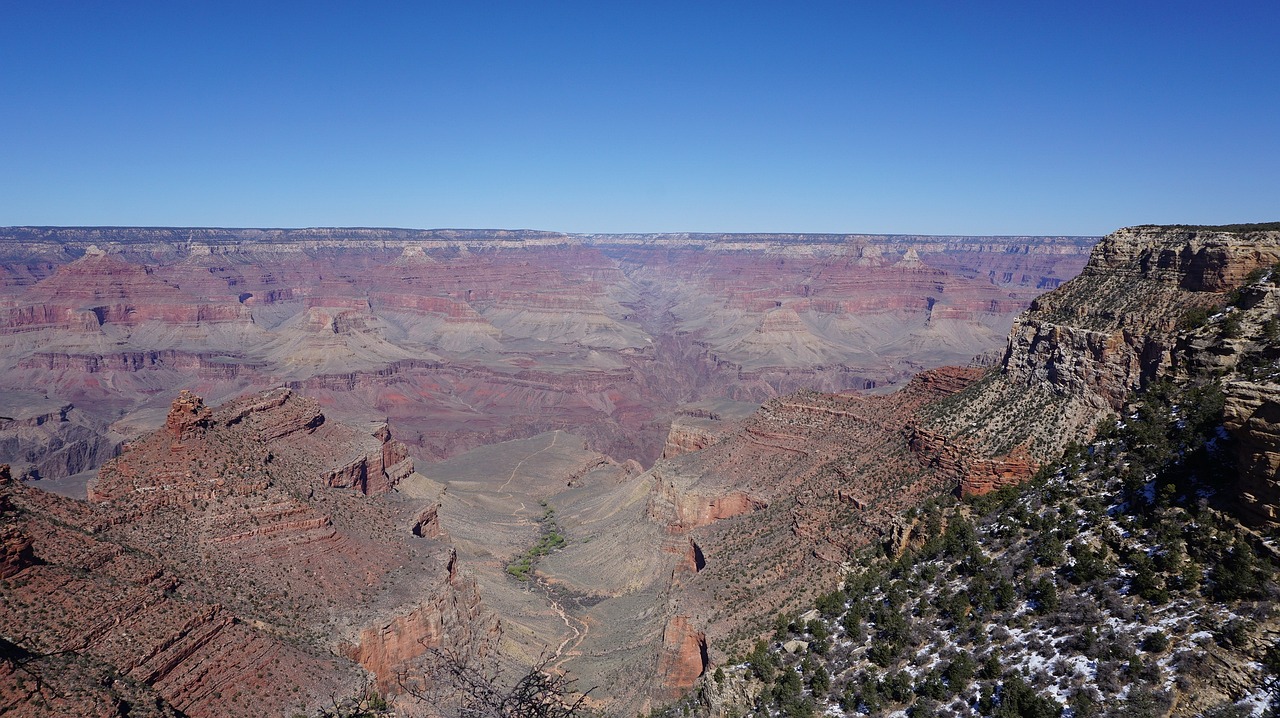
(466, 338)
(286, 464)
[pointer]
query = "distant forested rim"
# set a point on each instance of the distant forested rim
(1233, 228)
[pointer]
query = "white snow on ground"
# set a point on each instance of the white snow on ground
(1258, 701)
(1042, 648)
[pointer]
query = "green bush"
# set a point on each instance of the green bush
(960, 671)
(1236, 576)
(820, 682)
(1018, 700)
(1156, 642)
(1045, 594)
(1194, 318)
(762, 663)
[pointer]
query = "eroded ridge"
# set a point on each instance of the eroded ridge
(245, 558)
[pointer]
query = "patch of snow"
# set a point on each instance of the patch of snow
(1258, 702)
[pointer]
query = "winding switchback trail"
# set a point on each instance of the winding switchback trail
(555, 435)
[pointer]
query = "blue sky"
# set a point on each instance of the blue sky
(934, 118)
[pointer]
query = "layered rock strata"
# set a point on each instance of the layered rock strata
(1241, 344)
(243, 559)
(126, 613)
(463, 338)
(43, 438)
(697, 426)
(683, 659)
(1078, 352)
(1252, 416)
(794, 490)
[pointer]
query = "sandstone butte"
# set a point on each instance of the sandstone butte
(290, 527)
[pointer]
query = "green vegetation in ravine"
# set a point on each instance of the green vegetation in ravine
(550, 539)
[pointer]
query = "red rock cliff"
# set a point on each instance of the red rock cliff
(683, 658)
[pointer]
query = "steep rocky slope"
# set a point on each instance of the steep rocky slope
(72, 595)
(1087, 593)
(1072, 360)
(463, 338)
(1077, 353)
(1241, 344)
(241, 560)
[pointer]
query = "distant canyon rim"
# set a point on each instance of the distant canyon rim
(464, 338)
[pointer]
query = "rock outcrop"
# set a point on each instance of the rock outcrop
(1114, 327)
(448, 619)
(15, 551)
(188, 417)
(683, 438)
(15, 545)
(1075, 356)
(974, 476)
(683, 658)
(697, 426)
(427, 523)
(1252, 416)
(219, 551)
(681, 509)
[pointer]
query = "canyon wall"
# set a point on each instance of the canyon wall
(1241, 345)
(785, 497)
(1078, 352)
(461, 338)
(827, 473)
(234, 563)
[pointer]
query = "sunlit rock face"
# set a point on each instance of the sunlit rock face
(1079, 352)
(256, 544)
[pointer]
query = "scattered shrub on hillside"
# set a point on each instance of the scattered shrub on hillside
(1155, 642)
(1194, 318)
(1018, 700)
(996, 590)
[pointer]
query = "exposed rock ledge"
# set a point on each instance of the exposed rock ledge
(683, 658)
(681, 510)
(1252, 416)
(1074, 357)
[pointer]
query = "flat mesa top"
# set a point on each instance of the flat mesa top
(44, 241)
(202, 234)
